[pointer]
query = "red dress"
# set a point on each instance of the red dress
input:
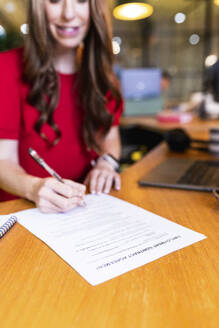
(70, 157)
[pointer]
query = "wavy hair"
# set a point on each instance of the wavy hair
(94, 79)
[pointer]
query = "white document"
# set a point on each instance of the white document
(108, 237)
(3, 219)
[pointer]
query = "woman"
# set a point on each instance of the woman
(58, 95)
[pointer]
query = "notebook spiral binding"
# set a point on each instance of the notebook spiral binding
(7, 225)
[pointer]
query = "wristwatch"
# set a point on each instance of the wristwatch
(108, 158)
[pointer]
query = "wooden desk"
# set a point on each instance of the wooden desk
(39, 290)
(195, 127)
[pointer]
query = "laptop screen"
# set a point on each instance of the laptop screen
(140, 83)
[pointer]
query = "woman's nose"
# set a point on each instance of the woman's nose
(69, 9)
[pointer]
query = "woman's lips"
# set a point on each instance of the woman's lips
(67, 30)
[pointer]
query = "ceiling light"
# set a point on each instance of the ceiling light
(116, 48)
(2, 31)
(24, 28)
(132, 10)
(9, 7)
(180, 18)
(194, 39)
(216, 2)
(117, 39)
(210, 60)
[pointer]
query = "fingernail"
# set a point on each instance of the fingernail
(93, 192)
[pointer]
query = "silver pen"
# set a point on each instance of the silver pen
(42, 163)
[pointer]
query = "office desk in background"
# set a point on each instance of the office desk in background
(38, 289)
(196, 126)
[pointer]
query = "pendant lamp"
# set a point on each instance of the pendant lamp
(132, 10)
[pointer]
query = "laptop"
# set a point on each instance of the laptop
(184, 173)
(141, 90)
(140, 83)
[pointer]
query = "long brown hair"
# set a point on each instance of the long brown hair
(94, 79)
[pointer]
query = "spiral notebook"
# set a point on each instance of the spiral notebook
(6, 224)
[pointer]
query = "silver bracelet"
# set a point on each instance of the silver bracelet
(108, 158)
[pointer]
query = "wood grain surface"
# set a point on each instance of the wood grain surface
(39, 290)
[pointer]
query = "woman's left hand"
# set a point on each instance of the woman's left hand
(102, 178)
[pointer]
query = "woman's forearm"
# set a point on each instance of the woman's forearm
(112, 143)
(16, 181)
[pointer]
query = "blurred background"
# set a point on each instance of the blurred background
(178, 37)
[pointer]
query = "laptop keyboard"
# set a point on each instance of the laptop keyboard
(201, 173)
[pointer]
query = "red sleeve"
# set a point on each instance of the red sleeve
(10, 97)
(114, 108)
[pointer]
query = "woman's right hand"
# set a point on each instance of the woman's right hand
(52, 196)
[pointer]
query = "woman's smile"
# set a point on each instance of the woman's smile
(68, 31)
